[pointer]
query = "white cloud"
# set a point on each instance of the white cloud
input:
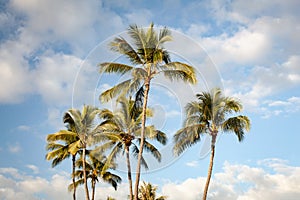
(23, 128)
(34, 168)
(192, 164)
(271, 179)
(14, 148)
(256, 88)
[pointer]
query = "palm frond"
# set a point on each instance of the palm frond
(138, 36)
(110, 67)
(121, 46)
(135, 152)
(111, 179)
(114, 91)
(153, 150)
(232, 105)
(186, 137)
(164, 36)
(62, 135)
(238, 125)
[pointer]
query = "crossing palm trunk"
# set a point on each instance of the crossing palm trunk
(87, 196)
(93, 189)
(73, 176)
(129, 173)
(138, 171)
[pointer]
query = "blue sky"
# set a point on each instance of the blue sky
(49, 52)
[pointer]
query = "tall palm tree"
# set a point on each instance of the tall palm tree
(148, 192)
(149, 59)
(85, 128)
(121, 130)
(62, 145)
(211, 114)
(94, 170)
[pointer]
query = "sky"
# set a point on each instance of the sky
(49, 51)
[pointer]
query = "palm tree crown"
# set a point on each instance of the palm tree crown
(210, 114)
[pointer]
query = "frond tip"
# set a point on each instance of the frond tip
(237, 125)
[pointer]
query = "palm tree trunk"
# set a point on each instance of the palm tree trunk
(129, 173)
(87, 197)
(212, 155)
(73, 176)
(93, 189)
(138, 171)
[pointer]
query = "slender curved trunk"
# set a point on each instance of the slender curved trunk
(93, 189)
(129, 173)
(138, 171)
(211, 163)
(87, 197)
(73, 176)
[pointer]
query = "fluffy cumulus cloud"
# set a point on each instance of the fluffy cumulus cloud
(270, 179)
(257, 53)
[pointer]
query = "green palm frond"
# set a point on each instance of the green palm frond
(114, 91)
(153, 134)
(237, 125)
(164, 36)
(106, 114)
(121, 46)
(178, 74)
(112, 156)
(153, 150)
(138, 36)
(187, 136)
(62, 135)
(135, 152)
(109, 67)
(77, 183)
(111, 179)
(232, 105)
(74, 147)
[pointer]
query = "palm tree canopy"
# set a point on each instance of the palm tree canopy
(148, 192)
(212, 113)
(148, 58)
(94, 169)
(120, 128)
(61, 145)
(83, 122)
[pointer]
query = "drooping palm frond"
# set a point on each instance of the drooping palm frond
(110, 67)
(135, 152)
(153, 150)
(232, 105)
(111, 179)
(187, 137)
(121, 46)
(62, 135)
(114, 91)
(210, 115)
(237, 125)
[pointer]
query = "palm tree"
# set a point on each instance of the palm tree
(149, 59)
(211, 114)
(121, 129)
(61, 145)
(94, 170)
(85, 128)
(148, 192)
